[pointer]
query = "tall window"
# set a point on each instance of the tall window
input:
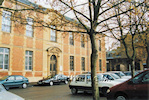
(99, 45)
(71, 38)
(83, 63)
(100, 65)
(6, 21)
(53, 34)
(4, 58)
(29, 27)
(82, 41)
(72, 63)
(28, 60)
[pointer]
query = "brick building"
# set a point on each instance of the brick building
(38, 52)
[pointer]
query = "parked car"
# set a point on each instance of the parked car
(59, 78)
(6, 95)
(137, 88)
(128, 73)
(120, 74)
(82, 82)
(14, 81)
(112, 77)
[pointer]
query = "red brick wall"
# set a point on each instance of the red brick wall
(6, 38)
(17, 59)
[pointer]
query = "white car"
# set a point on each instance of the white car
(112, 77)
(5, 95)
(83, 83)
(120, 74)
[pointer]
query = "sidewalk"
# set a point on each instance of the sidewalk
(32, 84)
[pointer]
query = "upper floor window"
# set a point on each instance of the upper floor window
(83, 63)
(28, 60)
(82, 41)
(72, 63)
(71, 38)
(6, 21)
(53, 34)
(4, 58)
(29, 27)
(80, 78)
(99, 45)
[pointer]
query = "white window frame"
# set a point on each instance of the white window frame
(29, 27)
(28, 63)
(71, 38)
(53, 34)
(4, 62)
(6, 21)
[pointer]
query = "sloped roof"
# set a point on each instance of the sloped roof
(37, 6)
(27, 3)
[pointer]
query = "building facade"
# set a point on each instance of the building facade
(37, 52)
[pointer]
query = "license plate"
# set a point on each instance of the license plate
(39, 82)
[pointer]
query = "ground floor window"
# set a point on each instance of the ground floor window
(83, 63)
(72, 63)
(4, 58)
(100, 65)
(28, 60)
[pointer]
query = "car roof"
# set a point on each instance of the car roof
(114, 71)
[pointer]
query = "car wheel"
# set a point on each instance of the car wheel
(74, 90)
(51, 83)
(24, 85)
(7, 88)
(121, 97)
(104, 91)
(66, 82)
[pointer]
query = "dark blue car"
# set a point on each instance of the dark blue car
(14, 81)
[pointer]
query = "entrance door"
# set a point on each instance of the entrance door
(53, 63)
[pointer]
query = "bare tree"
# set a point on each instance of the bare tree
(128, 26)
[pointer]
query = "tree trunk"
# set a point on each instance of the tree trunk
(1, 1)
(94, 56)
(147, 59)
(132, 68)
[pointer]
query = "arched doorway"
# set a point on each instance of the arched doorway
(53, 65)
(118, 68)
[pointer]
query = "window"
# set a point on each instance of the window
(82, 41)
(53, 34)
(4, 58)
(11, 78)
(100, 65)
(80, 78)
(72, 63)
(28, 60)
(71, 38)
(19, 78)
(6, 21)
(88, 78)
(83, 63)
(29, 27)
(99, 45)
(108, 77)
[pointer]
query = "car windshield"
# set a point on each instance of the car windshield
(122, 74)
(3, 78)
(115, 76)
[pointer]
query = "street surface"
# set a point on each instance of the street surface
(55, 92)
